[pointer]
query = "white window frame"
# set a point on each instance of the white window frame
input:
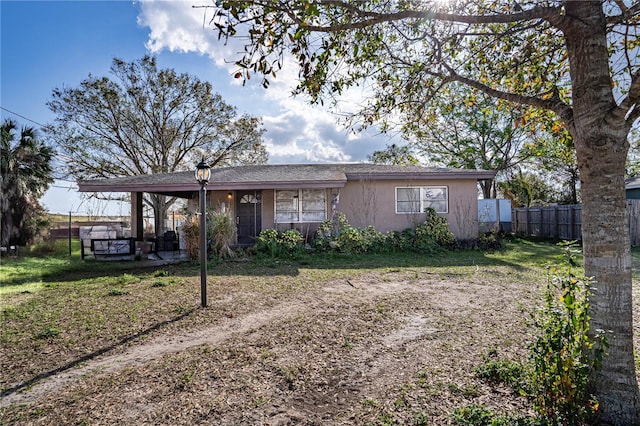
(296, 212)
(427, 196)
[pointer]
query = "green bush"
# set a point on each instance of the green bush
(351, 240)
(267, 242)
(324, 235)
(436, 228)
(376, 241)
(428, 237)
(291, 241)
(564, 354)
(339, 234)
(288, 244)
(491, 240)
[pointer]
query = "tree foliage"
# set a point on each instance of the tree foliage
(462, 128)
(395, 155)
(527, 189)
(26, 173)
(577, 59)
(145, 120)
(552, 151)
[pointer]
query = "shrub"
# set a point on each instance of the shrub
(351, 240)
(437, 228)
(222, 229)
(428, 237)
(267, 242)
(424, 241)
(324, 235)
(376, 241)
(491, 240)
(276, 244)
(291, 241)
(399, 241)
(191, 232)
(43, 247)
(338, 232)
(562, 357)
(564, 354)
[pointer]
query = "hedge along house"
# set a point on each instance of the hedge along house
(390, 198)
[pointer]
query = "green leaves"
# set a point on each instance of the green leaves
(26, 171)
(565, 352)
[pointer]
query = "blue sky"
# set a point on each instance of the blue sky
(49, 44)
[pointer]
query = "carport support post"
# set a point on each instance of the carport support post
(203, 244)
(69, 230)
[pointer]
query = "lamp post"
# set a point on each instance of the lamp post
(203, 173)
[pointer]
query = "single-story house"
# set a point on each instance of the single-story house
(632, 187)
(301, 196)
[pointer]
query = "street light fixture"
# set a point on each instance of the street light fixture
(203, 173)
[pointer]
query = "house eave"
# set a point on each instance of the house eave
(459, 175)
(276, 177)
(174, 189)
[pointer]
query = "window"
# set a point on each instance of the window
(418, 199)
(301, 205)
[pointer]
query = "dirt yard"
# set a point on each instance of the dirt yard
(386, 346)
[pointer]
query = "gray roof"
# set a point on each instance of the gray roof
(276, 176)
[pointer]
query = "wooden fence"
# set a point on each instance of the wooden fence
(564, 222)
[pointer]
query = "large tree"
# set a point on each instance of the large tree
(466, 129)
(25, 175)
(146, 120)
(577, 58)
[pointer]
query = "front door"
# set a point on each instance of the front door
(249, 216)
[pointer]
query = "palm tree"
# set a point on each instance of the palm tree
(25, 174)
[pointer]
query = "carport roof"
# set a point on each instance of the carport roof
(275, 176)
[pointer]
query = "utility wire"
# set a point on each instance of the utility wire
(21, 116)
(64, 187)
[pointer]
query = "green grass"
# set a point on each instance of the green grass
(31, 273)
(58, 309)
(45, 264)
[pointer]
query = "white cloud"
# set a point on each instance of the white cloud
(178, 26)
(297, 132)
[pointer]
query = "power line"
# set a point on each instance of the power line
(21, 116)
(63, 187)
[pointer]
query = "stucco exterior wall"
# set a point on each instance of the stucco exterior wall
(367, 202)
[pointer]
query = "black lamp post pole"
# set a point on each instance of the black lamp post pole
(203, 244)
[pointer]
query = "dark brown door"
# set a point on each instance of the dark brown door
(249, 216)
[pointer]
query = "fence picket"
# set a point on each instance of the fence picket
(565, 222)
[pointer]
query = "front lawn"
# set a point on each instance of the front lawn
(331, 339)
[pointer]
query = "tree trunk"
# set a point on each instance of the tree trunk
(485, 186)
(160, 207)
(607, 258)
(601, 148)
(573, 185)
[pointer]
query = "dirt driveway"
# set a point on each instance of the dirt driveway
(392, 346)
